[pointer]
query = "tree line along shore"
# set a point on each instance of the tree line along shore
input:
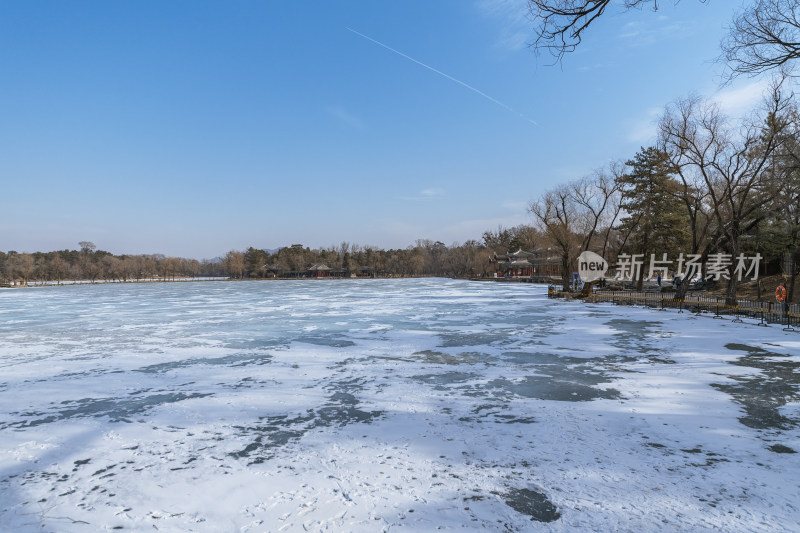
(424, 258)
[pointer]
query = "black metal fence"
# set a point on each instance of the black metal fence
(764, 312)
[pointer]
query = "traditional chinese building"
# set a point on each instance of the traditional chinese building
(525, 264)
(319, 271)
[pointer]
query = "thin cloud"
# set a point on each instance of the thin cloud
(513, 10)
(631, 30)
(644, 129)
(345, 117)
(569, 172)
(641, 33)
(515, 206)
(515, 19)
(741, 100)
(514, 40)
(596, 66)
(735, 102)
(426, 195)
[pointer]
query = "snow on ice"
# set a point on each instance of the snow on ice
(369, 405)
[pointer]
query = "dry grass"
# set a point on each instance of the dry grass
(749, 290)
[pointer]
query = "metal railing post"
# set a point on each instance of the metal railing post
(788, 317)
(716, 310)
(763, 322)
(736, 317)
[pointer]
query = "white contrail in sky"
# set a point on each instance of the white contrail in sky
(439, 72)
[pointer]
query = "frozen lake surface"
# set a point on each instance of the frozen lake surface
(369, 405)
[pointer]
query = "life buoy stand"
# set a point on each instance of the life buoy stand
(780, 293)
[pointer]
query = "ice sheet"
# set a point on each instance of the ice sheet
(368, 405)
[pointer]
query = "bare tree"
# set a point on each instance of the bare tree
(764, 37)
(87, 247)
(511, 239)
(692, 193)
(170, 266)
(597, 199)
(20, 267)
(193, 267)
(573, 217)
(732, 164)
(780, 230)
(58, 268)
(466, 260)
(112, 268)
(557, 216)
(416, 261)
(234, 264)
(614, 200)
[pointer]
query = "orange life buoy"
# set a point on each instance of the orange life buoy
(780, 293)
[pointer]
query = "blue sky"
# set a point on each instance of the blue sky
(192, 128)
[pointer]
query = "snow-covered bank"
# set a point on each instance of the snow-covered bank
(388, 404)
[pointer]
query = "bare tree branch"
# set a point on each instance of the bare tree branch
(764, 37)
(561, 23)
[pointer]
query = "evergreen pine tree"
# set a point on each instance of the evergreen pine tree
(655, 218)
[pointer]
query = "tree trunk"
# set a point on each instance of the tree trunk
(645, 257)
(682, 289)
(793, 264)
(730, 293)
(565, 273)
